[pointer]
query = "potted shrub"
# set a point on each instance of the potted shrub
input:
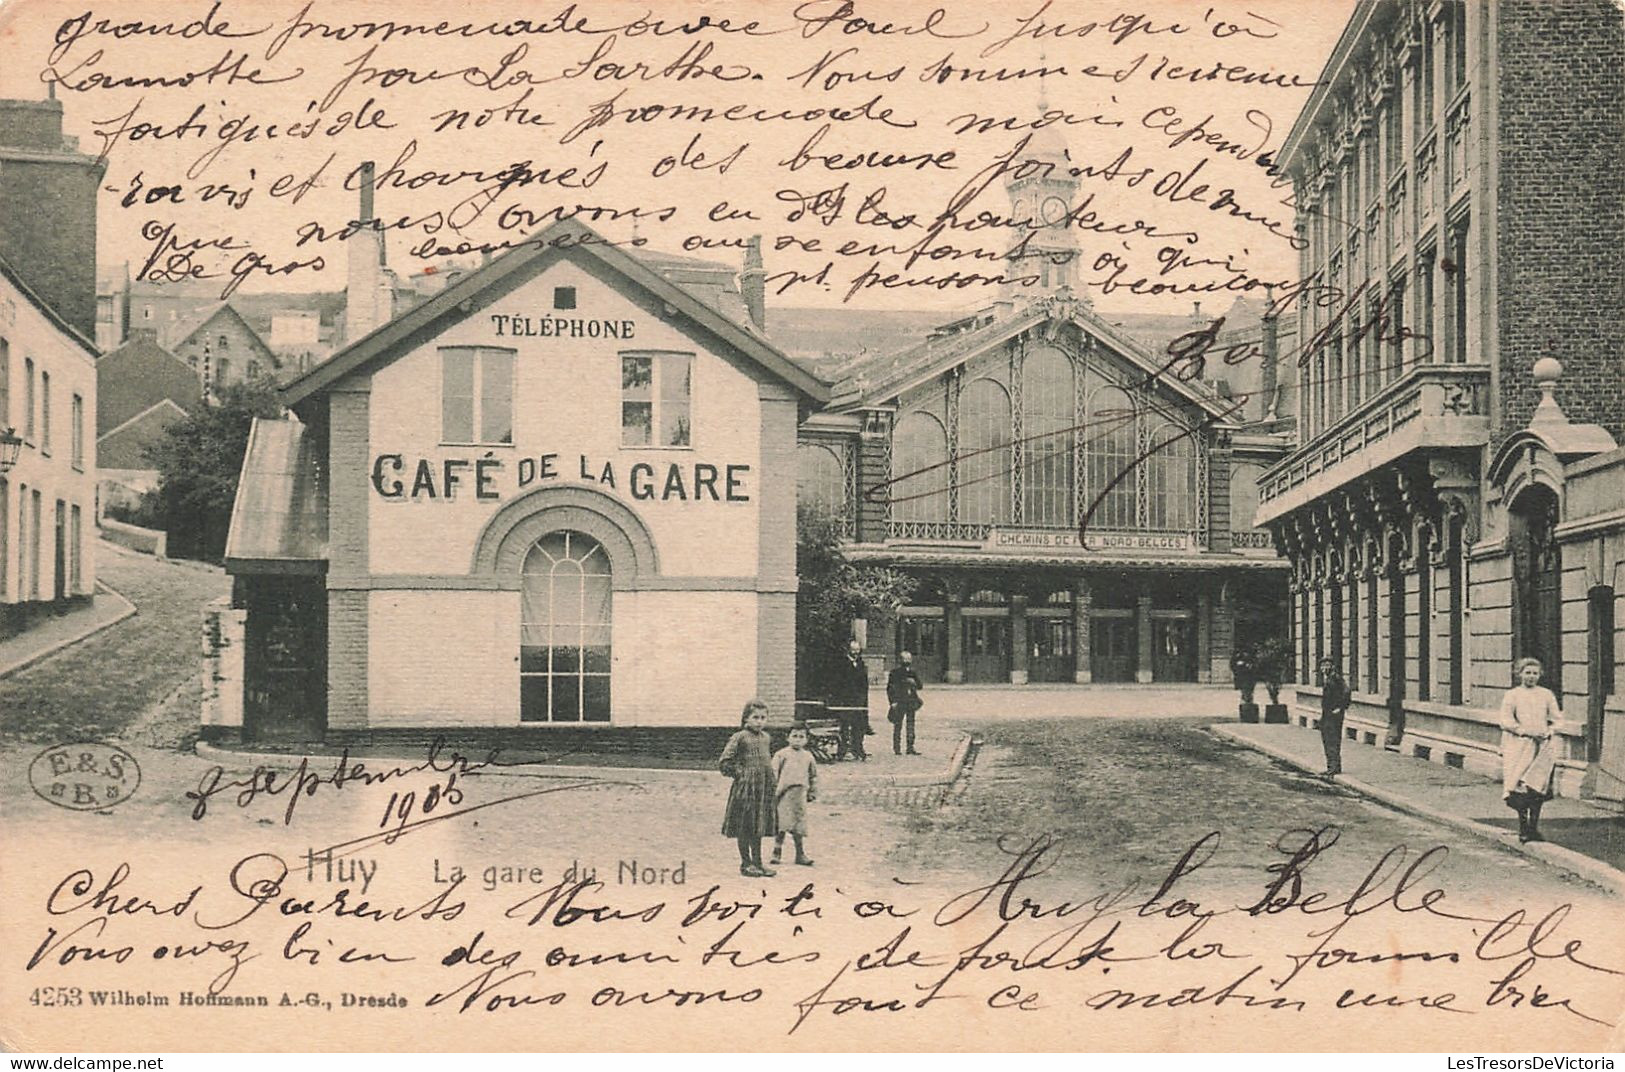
(1274, 662)
(1244, 674)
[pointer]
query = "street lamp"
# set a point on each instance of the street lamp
(10, 444)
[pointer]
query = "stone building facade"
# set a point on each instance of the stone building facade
(1457, 174)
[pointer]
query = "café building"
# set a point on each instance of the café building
(553, 505)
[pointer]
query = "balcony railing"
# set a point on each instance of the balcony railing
(938, 530)
(1430, 406)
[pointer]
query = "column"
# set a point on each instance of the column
(1019, 651)
(955, 629)
(1083, 601)
(1142, 627)
(1441, 617)
(1353, 668)
(1413, 630)
(1223, 629)
(873, 459)
(1204, 639)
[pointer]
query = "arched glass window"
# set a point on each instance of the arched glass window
(821, 477)
(1047, 398)
(919, 491)
(564, 638)
(1109, 451)
(1171, 478)
(985, 456)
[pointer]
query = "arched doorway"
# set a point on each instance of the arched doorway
(566, 597)
(1537, 571)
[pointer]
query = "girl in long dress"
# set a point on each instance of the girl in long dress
(1528, 713)
(752, 803)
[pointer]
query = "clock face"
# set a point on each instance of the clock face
(1055, 210)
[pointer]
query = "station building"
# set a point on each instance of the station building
(1073, 504)
(553, 505)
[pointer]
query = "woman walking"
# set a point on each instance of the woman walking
(1528, 757)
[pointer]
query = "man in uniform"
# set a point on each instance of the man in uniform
(1334, 703)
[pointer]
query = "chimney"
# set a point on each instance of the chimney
(366, 293)
(753, 283)
(1270, 360)
(48, 203)
(368, 170)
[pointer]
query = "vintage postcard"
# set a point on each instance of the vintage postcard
(812, 526)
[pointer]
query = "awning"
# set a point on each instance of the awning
(279, 518)
(972, 557)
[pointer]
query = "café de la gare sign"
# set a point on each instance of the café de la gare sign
(491, 477)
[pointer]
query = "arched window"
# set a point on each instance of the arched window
(1110, 452)
(919, 491)
(985, 456)
(564, 639)
(1171, 478)
(821, 477)
(1047, 398)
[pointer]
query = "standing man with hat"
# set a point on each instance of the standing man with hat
(849, 698)
(903, 696)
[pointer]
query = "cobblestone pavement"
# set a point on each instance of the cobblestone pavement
(1127, 795)
(101, 687)
(1112, 802)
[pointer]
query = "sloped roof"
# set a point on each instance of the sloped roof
(279, 518)
(204, 317)
(132, 378)
(567, 239)
(125, 445)
(884, 376)
(67, 329)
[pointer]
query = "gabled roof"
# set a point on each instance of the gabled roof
(885, 376)
(130, 379)
(566, 240)
(125, 446)
(204, 317)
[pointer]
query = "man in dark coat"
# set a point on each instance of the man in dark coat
(903, 694)
(1334, 703)
(849, 698)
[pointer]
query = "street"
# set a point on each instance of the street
(1110, 814)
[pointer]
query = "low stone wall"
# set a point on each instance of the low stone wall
(153, 542)
(1468, 738)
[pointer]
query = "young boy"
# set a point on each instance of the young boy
(797, 774)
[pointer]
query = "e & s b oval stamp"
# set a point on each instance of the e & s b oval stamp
(85, 775)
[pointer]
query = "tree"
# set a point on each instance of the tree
(199, 460)
(833, 591)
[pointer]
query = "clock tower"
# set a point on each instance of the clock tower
(1042, 191)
